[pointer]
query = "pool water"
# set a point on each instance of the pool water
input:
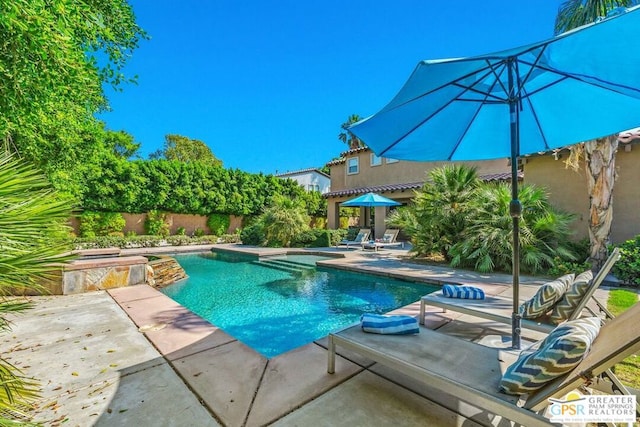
(277, 305)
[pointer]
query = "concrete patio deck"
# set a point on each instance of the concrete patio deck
(133, 356)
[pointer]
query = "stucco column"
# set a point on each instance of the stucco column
(333, 215)
(380, 226)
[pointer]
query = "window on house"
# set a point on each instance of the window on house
(392, 161)
(352, 166)
(375, 160)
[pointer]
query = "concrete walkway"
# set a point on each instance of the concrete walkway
(133, 356)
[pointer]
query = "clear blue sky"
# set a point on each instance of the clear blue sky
(266, 85)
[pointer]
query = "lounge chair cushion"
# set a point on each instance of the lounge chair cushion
(546, 297)
(560, 352)
(571, 298)
(462, 292)
(396, 325)
(361, 236)
(387, 238)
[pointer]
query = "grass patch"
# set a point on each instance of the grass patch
(627, 371)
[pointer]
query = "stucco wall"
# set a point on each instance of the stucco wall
(568, 191)
(135, 222)
(400, 172)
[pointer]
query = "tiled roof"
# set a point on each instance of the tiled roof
(374, 189)
(337, 161)
(506, 176)
(343, 155)
(301, 171)
(354, 151)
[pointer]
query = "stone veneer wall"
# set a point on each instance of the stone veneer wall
(164, 271)
(101, 273)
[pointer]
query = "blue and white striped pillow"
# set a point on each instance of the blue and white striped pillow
(463, 292)
(397, 325)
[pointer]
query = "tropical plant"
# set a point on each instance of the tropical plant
(33, 235)
(283, 220)
(486, 243)
(347, 136)
(599, 154)
(440, 212)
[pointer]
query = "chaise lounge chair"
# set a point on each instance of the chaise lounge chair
(499, 308)
(388, 239)
(472, 372)
(359, 240)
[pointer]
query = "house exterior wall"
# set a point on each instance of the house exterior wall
(387, 173)
(568, 191)
(397, 172)
(309, 179)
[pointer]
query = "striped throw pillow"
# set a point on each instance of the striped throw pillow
(570, 300)
(560, 352)
(546, 297)
(463, 292)
(397, 325)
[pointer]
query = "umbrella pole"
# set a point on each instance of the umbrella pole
(515, 207)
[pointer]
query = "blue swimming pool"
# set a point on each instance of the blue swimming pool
(282, 303)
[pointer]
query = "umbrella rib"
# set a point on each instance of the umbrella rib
(457, 144)
(456, 98)
(453, 83)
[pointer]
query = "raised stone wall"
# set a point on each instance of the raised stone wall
(85, 275)
(165, 271)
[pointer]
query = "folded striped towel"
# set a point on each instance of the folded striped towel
(398, 325)
(463, 292)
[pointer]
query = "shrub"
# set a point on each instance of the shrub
(304, 239)
(283, 221)
(198, 232)
(561, 267)
(335, 236)
(178, 240)
(218, 224)
(181, 231)
(100, 223)
(486, 243)
(253, 235)
(156, 224)
(627, 268)
(229, 238)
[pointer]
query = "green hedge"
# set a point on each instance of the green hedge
(187, 188)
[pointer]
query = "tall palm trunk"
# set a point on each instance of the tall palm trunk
(600, 159)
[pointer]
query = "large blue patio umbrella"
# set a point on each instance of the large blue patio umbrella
(370, 200)
(575, 87)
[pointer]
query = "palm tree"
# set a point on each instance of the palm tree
(33, 234)
(599, 154)
(347, 137)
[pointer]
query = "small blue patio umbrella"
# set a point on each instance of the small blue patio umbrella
(578, 86)
(370, 200)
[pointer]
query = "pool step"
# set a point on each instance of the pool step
(283, 265)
